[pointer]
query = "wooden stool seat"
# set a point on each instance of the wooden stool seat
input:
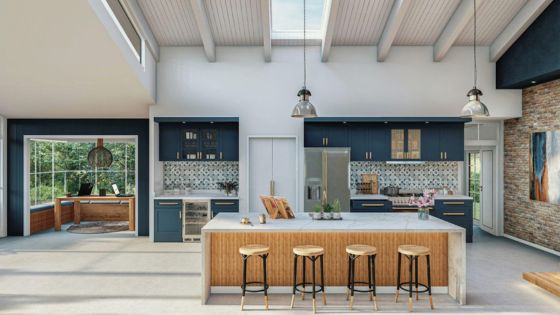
(254, 249)
(308, 250)
(361, 250)
(414, 250)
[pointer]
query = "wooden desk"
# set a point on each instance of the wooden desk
(58, 208)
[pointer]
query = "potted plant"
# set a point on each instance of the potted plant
(103, 183)
(327, 211)
(228, 187)
(317, 212)
(336, 210)
(424, 203)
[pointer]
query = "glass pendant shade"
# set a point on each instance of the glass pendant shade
(474, 107)
(304, 108)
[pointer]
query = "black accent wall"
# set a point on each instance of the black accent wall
(535, 55)
(18, 128)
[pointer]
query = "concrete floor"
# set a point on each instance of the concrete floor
(65, 273)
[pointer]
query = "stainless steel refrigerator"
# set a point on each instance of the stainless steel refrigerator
(327, 177)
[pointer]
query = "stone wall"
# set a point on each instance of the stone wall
(533, 221)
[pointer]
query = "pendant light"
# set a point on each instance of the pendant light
(474, 107)
(304, 108)
(100, 156)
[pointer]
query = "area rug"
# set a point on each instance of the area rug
(98, 227)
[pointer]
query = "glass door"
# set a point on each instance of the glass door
(397, 144)
(473, 173)
(196, 214)
(189, 144)
(414, 136)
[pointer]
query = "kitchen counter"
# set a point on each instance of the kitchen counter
(197, 195)
(452, 197)
(385, 197)
(223, 235)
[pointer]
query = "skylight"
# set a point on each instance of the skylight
(287, 19)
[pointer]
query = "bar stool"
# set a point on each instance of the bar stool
(355, 251)
(412, 252)
(254, 250)
(312, 253)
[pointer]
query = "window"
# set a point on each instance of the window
(287, 19)
(474, 182)
(58, 167)
(126, 26)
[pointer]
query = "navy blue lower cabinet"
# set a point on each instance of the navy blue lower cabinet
(224, 205)
(368, 205)
(458, 212)
(168, 225)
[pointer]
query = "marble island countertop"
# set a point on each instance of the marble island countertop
(351, 222)
(195, 194)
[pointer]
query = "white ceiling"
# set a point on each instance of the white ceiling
(359, 22)
(58, 60)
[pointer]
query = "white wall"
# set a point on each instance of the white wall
(352, 83)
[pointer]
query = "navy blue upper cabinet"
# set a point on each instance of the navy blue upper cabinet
(325, 135)
(169, 142)
(367, 142)
(198, 141)
(452, 142)
(430, 143)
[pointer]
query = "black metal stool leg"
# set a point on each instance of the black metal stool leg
(313, 259)
(398, 277)
(370, 280)
(411, 261)
(352, 280)
(429, 281)
(303, 280)
(374, 293)
(265, 283)
(322, 280)
(244, 283)
(295, 281)
(349, 277)
(416, 275)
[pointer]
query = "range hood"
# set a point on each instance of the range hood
(405, 162)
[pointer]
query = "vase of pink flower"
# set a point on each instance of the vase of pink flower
(424, 203)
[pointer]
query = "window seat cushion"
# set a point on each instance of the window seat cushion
(49, 206)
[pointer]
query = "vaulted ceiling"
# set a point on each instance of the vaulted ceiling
(382, 23)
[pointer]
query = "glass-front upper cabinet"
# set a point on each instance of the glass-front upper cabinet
(405, 144)
(190, 144)
(209, 144)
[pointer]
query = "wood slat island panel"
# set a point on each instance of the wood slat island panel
(226, 264)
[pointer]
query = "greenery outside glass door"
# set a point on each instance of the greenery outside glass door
(473, 159)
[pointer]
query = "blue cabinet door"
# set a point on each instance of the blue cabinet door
(224, 205)
(378, 146)
(358, 140)
(229, 143)
(458, 212)
(371, 205)
(452, 142)
(168, 226)
(313, 135)
(169, 142)
(430, 143)
(336, 135)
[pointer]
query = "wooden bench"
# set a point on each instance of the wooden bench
(550, 281)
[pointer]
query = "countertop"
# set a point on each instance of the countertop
(385, 197)
(355, 222)
(196, 195)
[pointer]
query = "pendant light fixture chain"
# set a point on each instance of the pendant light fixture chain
(304, 48)
(474, 45)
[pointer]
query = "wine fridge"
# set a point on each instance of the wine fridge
(196, 213)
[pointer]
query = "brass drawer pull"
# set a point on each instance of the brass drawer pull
(225, 203)
(456, 214)
(168, 203)
(373, 204)
(453, 202)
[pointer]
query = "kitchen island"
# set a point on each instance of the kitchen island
(222, 237)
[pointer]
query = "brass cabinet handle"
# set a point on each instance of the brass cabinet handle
(456, 214)
(224, 203)
(180, 215)
(168, 203)
(366, 155)
(323, 141)
(327, 141)
(441, 155)
(370, 155)
(177, 155)
(453, 202)
(445, 155)
(221, 155)
(373, 204)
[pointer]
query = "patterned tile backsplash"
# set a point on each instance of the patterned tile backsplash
(409, 177)
(200, 175)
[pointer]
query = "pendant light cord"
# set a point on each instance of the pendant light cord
(304, 50)
(474, 45)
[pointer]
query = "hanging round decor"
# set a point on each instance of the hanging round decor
(100, 156)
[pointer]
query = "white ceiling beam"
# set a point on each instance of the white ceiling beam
(138, 19)
(203, 24)
(267, 30)
(329, 16)
(462, 16)
(524, 18)
(398, 12)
